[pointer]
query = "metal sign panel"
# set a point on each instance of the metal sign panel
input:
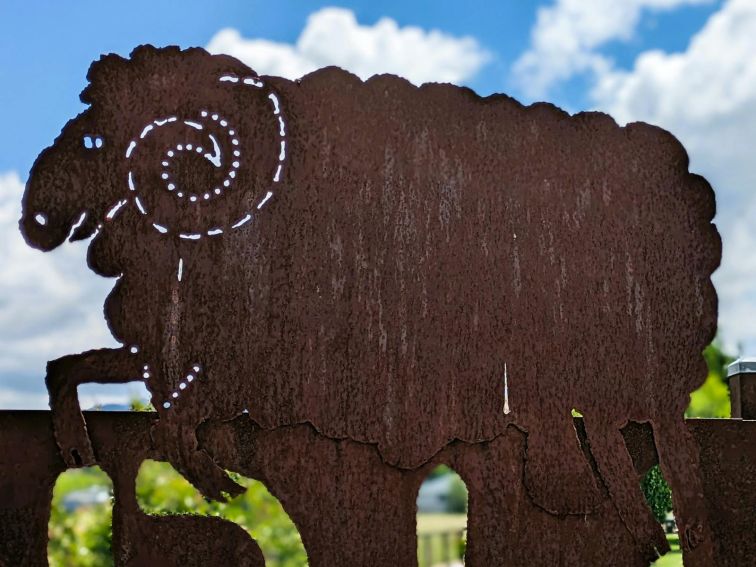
(397, 266)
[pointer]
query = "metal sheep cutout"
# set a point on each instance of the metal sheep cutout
(369, 258)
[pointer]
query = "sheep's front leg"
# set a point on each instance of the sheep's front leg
(107, 366)
(175, 435)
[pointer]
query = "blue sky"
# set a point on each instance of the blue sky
(46, 47)
(687, 65)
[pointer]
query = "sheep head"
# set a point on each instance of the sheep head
(119, 153)
(69, 186)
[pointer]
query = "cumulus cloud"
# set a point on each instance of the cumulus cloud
(568, 34)
(50, 306)
(706, 96)
(332, 36)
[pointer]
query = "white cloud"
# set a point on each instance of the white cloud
(332, 36)
(50, 306)
(567, 35)
(706, 96)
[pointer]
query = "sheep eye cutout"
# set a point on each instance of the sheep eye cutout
(185, 172)
(92, 142)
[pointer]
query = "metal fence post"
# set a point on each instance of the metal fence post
(741, 375)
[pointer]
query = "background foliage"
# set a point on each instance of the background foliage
(82, 538)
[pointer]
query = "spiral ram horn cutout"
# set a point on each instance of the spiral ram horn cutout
(197, 173)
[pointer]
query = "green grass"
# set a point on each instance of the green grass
(438, 524)
(674, 557)
(428, 523)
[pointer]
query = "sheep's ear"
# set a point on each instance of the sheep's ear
(98, 72)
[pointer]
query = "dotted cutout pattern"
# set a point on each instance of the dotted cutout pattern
(212, 154)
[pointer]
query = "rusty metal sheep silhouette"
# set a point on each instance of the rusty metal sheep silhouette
(370, 256)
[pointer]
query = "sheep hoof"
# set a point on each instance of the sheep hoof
(210, 479)
(75, 448)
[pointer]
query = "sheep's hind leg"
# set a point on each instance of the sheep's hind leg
(107, 366)
(623, 483)
(557, 474)
(680, 465)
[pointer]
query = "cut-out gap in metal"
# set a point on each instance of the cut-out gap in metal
(162, 491)
(441, 519)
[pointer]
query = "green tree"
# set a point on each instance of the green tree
(712, 399)
(81, 538)
(457, 502)
(162, 490)
(657, 493)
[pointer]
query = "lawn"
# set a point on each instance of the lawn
(430, 523)
(674, 557)
(434, 525)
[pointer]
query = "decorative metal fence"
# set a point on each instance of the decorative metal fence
(350, 507)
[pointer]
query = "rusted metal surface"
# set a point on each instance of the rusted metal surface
(369, 258)
(351, 507)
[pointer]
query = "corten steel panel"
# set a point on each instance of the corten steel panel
(351, 507)
(369, 257)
